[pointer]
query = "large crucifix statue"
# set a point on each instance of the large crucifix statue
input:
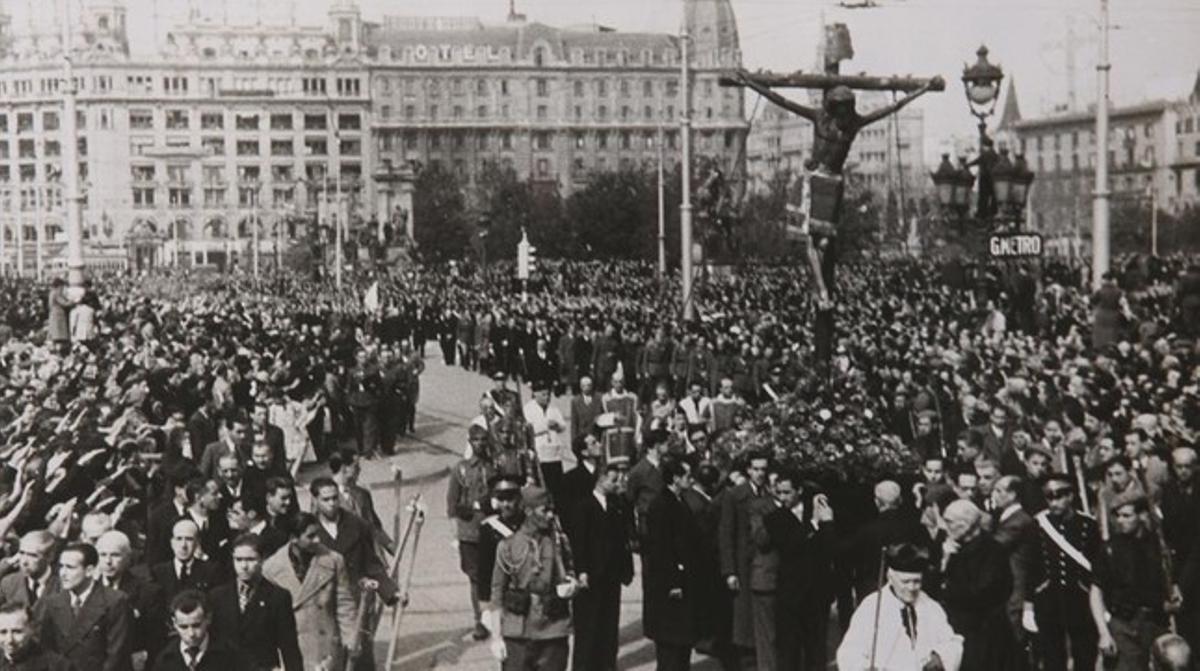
(836, 123)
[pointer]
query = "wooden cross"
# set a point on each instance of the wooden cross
(815, 80)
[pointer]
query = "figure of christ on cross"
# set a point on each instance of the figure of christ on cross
(835, 125)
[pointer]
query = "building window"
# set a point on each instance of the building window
(282, 148)
(385, 112)
(177, 119)
(142, 173)
(214, 198)
(481, 140)
(248, 173)
(26, 149)
(212, 120)
(543, 167)
(626, 140)
(313, 86)
(543, 88)
(624, 88)
(578, 89)
(281, 173)
(580, 141)
(410, 140)
(647, 88)
(541, 112)
(315, 121)
(602, 113)
(49, 120)
(503, 87)
(481, 87)
(541, 140)
(351, 171)
(648, 113)
(602, 140)
(281, 122)
(481, 112)
(315, 146)
(3, 123)
(246, 122)
(143, 197)
(349, 121)
(460, 140)
(457, 112)
(601, 87)
(410, 112)
(51, 148)
(348, 86)
(213, 174)
(179, 198)
(435, 140)
(215, 146)
(247, 147)
(138, 120)
(506, 140)
(350, 147)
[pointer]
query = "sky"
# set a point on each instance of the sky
(1154, 49)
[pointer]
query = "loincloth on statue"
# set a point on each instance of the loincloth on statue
(821, 206)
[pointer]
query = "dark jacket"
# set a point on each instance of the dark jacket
(861, 550)
(806, 578)
(203, 576)
(218, 657)
(355, 542)
(34, 657)
(264, 633)
(670, 552)
(974, 590)
(149, 605)
(98, 638)
(600, 541)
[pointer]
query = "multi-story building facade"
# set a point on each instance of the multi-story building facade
(554, 104)
(227, 130)
(1154, 152)
(887, 156)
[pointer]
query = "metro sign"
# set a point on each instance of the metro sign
(1015, 246)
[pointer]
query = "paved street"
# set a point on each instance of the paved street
(435, 632)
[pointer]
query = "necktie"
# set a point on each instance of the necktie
(33, 592)
(243, 596)
(185, 571)
(908, 615)
(76, 603)
(192, 657)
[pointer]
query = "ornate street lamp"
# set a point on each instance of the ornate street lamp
(1022, 179)
(1002, 179)
(982, 83)
(945, 178)
(962, 187)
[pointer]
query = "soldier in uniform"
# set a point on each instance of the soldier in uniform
(531, 591)
(1130, 587)
(1056, 603)
(362, 394)
(464, 498)
(654, 365)
(620, 438)
(505, 516)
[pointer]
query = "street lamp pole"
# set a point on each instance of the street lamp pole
(70, 160)
(254, 231)
(685, 207)
(662, 212)
(1100, 200)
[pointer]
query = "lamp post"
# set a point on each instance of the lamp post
(1003, 181)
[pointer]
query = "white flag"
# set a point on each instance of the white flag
(371, 298)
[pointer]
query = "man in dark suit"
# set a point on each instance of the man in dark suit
(205, 510)
(163, 517)
(578, 483)
(253, 615)
(670, 577)
(229, 473)
(146, 599)
(236, 442)
(736, 548)
(603, 561)
(20, 649)
(249, 515)
(799, 529)
(351, 537)
(1013, 529)
(263, 431)
(585, 408)
(860, 552)
(184, 570)
(345, 468)
(197, 649)
(86, 622)
(35, 577)
(202, 428)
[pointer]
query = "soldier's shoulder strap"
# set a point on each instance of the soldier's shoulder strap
(493, 522)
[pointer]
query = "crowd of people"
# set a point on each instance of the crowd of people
(985, 473)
